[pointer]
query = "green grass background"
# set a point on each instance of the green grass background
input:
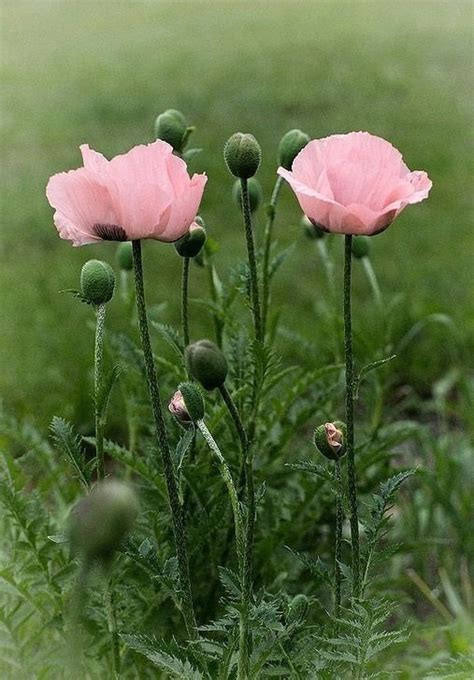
(99, 72)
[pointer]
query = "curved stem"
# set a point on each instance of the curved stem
(162, 441)
(267, 242)
(184, 301)
(351, 472)
(338, 551)
(98, 378)
(257, 319)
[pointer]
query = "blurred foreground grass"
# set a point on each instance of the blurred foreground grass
(77, 72)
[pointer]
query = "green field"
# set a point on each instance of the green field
(76, 72)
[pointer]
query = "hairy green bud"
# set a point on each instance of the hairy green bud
(290, 146)
(191, 243)
(206, 363)
(242, 155)
(124, 256)
(297, 609)
(361, 246)
(255, 193)
(329, 440)
(97, 282)
(171, 127)
(100, 522)
(192, 399)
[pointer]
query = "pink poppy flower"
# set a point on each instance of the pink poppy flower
(354, 184)
(145, 193)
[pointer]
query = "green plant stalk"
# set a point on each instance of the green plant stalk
(162, 441)
(351, 472)
(98, 378)
(267, 242)
(112, 626)
(184, 301)
(338, 550)
(218, 325)
(329, 270)
(254, 293)
(373, 283)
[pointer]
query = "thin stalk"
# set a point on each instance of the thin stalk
(267, 242)
(98, 378)
(247, 215)
(351, 472)
(338, 550)
(218, 325)
(184, 301)
(112, 626)
(179, 530)
(373, 283)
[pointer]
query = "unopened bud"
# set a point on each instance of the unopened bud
(125, 256)
(171, 127)
(290, 145)
(191, 243)
(97, 282)
(100, 522)
(360, 246)
(255, 193)
(206, 363)
(188, 401)
(297, 609)
(242, 155)
(329, 439)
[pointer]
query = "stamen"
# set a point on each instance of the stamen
(110, 232)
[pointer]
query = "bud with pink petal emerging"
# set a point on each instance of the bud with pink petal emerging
(187, 404)
(329, 439)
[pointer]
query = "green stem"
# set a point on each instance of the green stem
(218, 325)
(112, 626)
(184, 301)
(162, 441)
(257, 319)
(267, 242)
(98, 378)
(351, 472)
(338, 551)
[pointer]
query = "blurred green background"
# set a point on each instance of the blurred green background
(99, 72)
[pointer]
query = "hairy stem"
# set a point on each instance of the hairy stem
(338, 550)
(162, 441)
(254, 293)
(184, 301)
(351, 472)
(98, 379)
(267, 242)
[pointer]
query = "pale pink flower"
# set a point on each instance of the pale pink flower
(178, 408)
(354, 184)
(145, 193)
(334, 437)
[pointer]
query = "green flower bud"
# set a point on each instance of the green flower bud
(191, 243)
(311, 230)
(97, 282)
(124, 256)
(255, 193)
(361, 246)
(206, 363)
(242, 155)
(297, 609)
(100, 522)
(329, 440)
(192, 399)
(171, 127)
(290, 146)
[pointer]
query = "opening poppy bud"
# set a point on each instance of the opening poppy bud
(206, 363)
(297, 609)
(255, 193)
(290, 146)
(125, 256)
(329, 439)
(311, 230)
(191, 243)
(97, 282)
(242, 155)
(100, 522)
(361, 246)
(187, 404)
(171, 127)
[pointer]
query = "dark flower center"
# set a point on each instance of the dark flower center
(110, 232)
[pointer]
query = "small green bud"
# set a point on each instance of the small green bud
(311, 230)
(100, 522)
(242, 155)
(191, 243)
(297, 609)
(192, 399)
(97, 282)
(329, 440)
(124, 256)
(361, 246)
(206, 363)
(255, 193)
(290, 146)
(171, 127)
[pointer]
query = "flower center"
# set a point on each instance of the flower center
(110, 232)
